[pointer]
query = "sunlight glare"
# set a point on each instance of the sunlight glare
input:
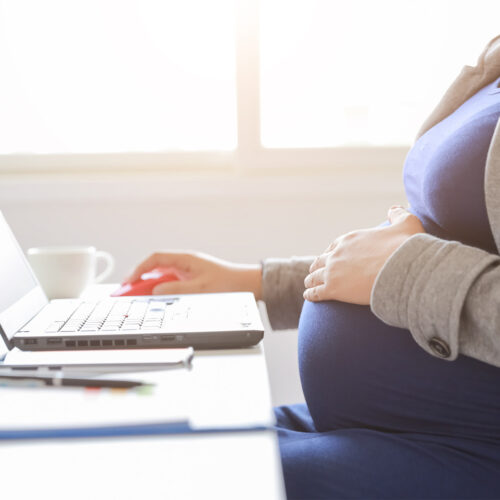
(117, 75)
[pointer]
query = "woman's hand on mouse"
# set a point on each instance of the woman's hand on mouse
(346, 271)
(201, 273)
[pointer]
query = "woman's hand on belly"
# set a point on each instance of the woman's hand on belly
(347, 269)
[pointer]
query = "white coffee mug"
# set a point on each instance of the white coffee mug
(65, 271)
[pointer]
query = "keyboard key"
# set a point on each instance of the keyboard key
(109, 328)
(54, 327)
(114, 315)
(73, 324)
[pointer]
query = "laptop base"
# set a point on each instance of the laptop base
(209, 340)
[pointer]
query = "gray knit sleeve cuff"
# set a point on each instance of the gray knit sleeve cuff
(423, 287)
(282, 289)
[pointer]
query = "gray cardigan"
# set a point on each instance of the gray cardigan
(446, 293)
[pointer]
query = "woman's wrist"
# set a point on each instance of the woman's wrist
(252, 280)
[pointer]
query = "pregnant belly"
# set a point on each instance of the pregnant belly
(348, 358)
(356, 371)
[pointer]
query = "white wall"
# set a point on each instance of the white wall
(243, 218)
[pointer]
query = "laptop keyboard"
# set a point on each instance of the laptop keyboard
(115, 316)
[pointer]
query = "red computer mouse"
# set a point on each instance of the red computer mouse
(145, 284)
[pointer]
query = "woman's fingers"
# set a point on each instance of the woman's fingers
(177, 287)
(315, 294)
(318, 262)
(315, 285)
(398, 215)
(315, 278)
(158, 259)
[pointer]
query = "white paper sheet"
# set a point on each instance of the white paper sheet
(60, 408)
(112, 360)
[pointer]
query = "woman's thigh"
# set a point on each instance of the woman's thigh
(365, 463)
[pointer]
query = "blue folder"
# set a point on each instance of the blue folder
(120, 431)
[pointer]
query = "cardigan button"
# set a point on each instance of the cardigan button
(439, 347)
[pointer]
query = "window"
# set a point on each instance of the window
(358, 72)
(103, 76)
(226, 82)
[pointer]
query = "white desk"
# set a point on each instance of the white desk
(225, 387)
(225, 466)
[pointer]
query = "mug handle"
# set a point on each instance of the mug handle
(110, 265)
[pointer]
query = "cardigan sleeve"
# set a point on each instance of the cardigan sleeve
(282, 289)
(446, 293)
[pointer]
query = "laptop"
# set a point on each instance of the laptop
(30, 322)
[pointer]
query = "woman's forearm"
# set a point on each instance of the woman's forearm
(446, 293)
(251, 277)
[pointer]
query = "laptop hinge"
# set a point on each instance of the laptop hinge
(8, 343)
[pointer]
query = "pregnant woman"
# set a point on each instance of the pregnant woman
(399, 335)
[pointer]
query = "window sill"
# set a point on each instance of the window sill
(306, 173)
(151, 188)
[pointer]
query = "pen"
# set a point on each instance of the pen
(57, 380)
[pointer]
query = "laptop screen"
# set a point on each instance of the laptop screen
(19, 290)
(17, 278)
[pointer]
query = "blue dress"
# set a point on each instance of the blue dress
(384, 419)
